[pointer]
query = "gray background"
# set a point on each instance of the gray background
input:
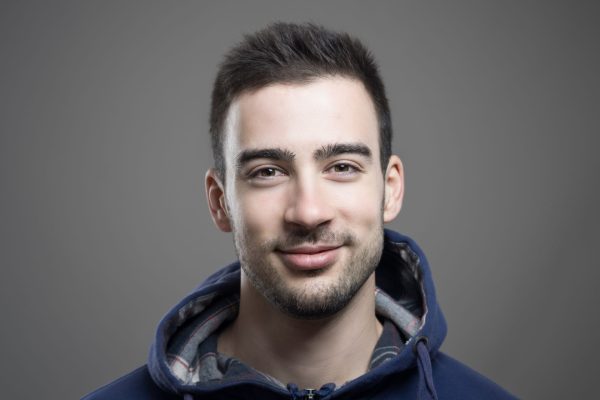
(103, 149)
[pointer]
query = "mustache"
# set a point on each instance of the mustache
(319, 235)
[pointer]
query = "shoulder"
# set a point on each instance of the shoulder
(455, 380)
(135, 385)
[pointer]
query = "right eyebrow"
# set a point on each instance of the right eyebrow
(275, 154)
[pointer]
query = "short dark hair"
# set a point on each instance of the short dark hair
(295, 53)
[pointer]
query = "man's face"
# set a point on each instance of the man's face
(304, 192)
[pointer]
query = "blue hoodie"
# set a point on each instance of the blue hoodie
(406, 362)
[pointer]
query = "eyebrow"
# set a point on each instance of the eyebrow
(275, 154)
(325, 152)
(336, 149)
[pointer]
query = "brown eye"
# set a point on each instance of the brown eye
(344, 171)
(267, 172)
(342, 168)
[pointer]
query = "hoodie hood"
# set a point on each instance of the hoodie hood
(183, 361)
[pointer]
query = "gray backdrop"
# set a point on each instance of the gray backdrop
(103, 149)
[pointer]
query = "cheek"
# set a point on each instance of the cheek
(362, 210)
(360, 203)
(258, 212)
(367, 195)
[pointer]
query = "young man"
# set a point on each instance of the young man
(323, 303)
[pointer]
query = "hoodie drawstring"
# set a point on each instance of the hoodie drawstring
(426, 390)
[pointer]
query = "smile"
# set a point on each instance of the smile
(309, 257)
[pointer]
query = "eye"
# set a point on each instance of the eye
(344, 171)
(343, 168)
(266, 173)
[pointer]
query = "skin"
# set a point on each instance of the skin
(307, 226)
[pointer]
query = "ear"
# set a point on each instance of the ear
(215, 196)
(394, 189)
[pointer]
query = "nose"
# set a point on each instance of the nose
(308, 205)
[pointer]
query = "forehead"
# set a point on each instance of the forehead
(302, 117)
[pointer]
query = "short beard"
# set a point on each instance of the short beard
(324, 300)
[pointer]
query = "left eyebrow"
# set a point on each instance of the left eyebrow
(335, 149)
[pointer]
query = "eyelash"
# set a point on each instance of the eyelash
(353, 168)
(256, 173)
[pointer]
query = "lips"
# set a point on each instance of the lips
(310, 257)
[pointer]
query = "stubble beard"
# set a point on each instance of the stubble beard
(315, 299)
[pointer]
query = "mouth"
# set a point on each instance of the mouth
(310, 257)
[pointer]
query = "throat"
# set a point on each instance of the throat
(308, 353)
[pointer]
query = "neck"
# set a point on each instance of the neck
(309, 353)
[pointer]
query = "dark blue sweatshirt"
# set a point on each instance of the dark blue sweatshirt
(406, 362)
